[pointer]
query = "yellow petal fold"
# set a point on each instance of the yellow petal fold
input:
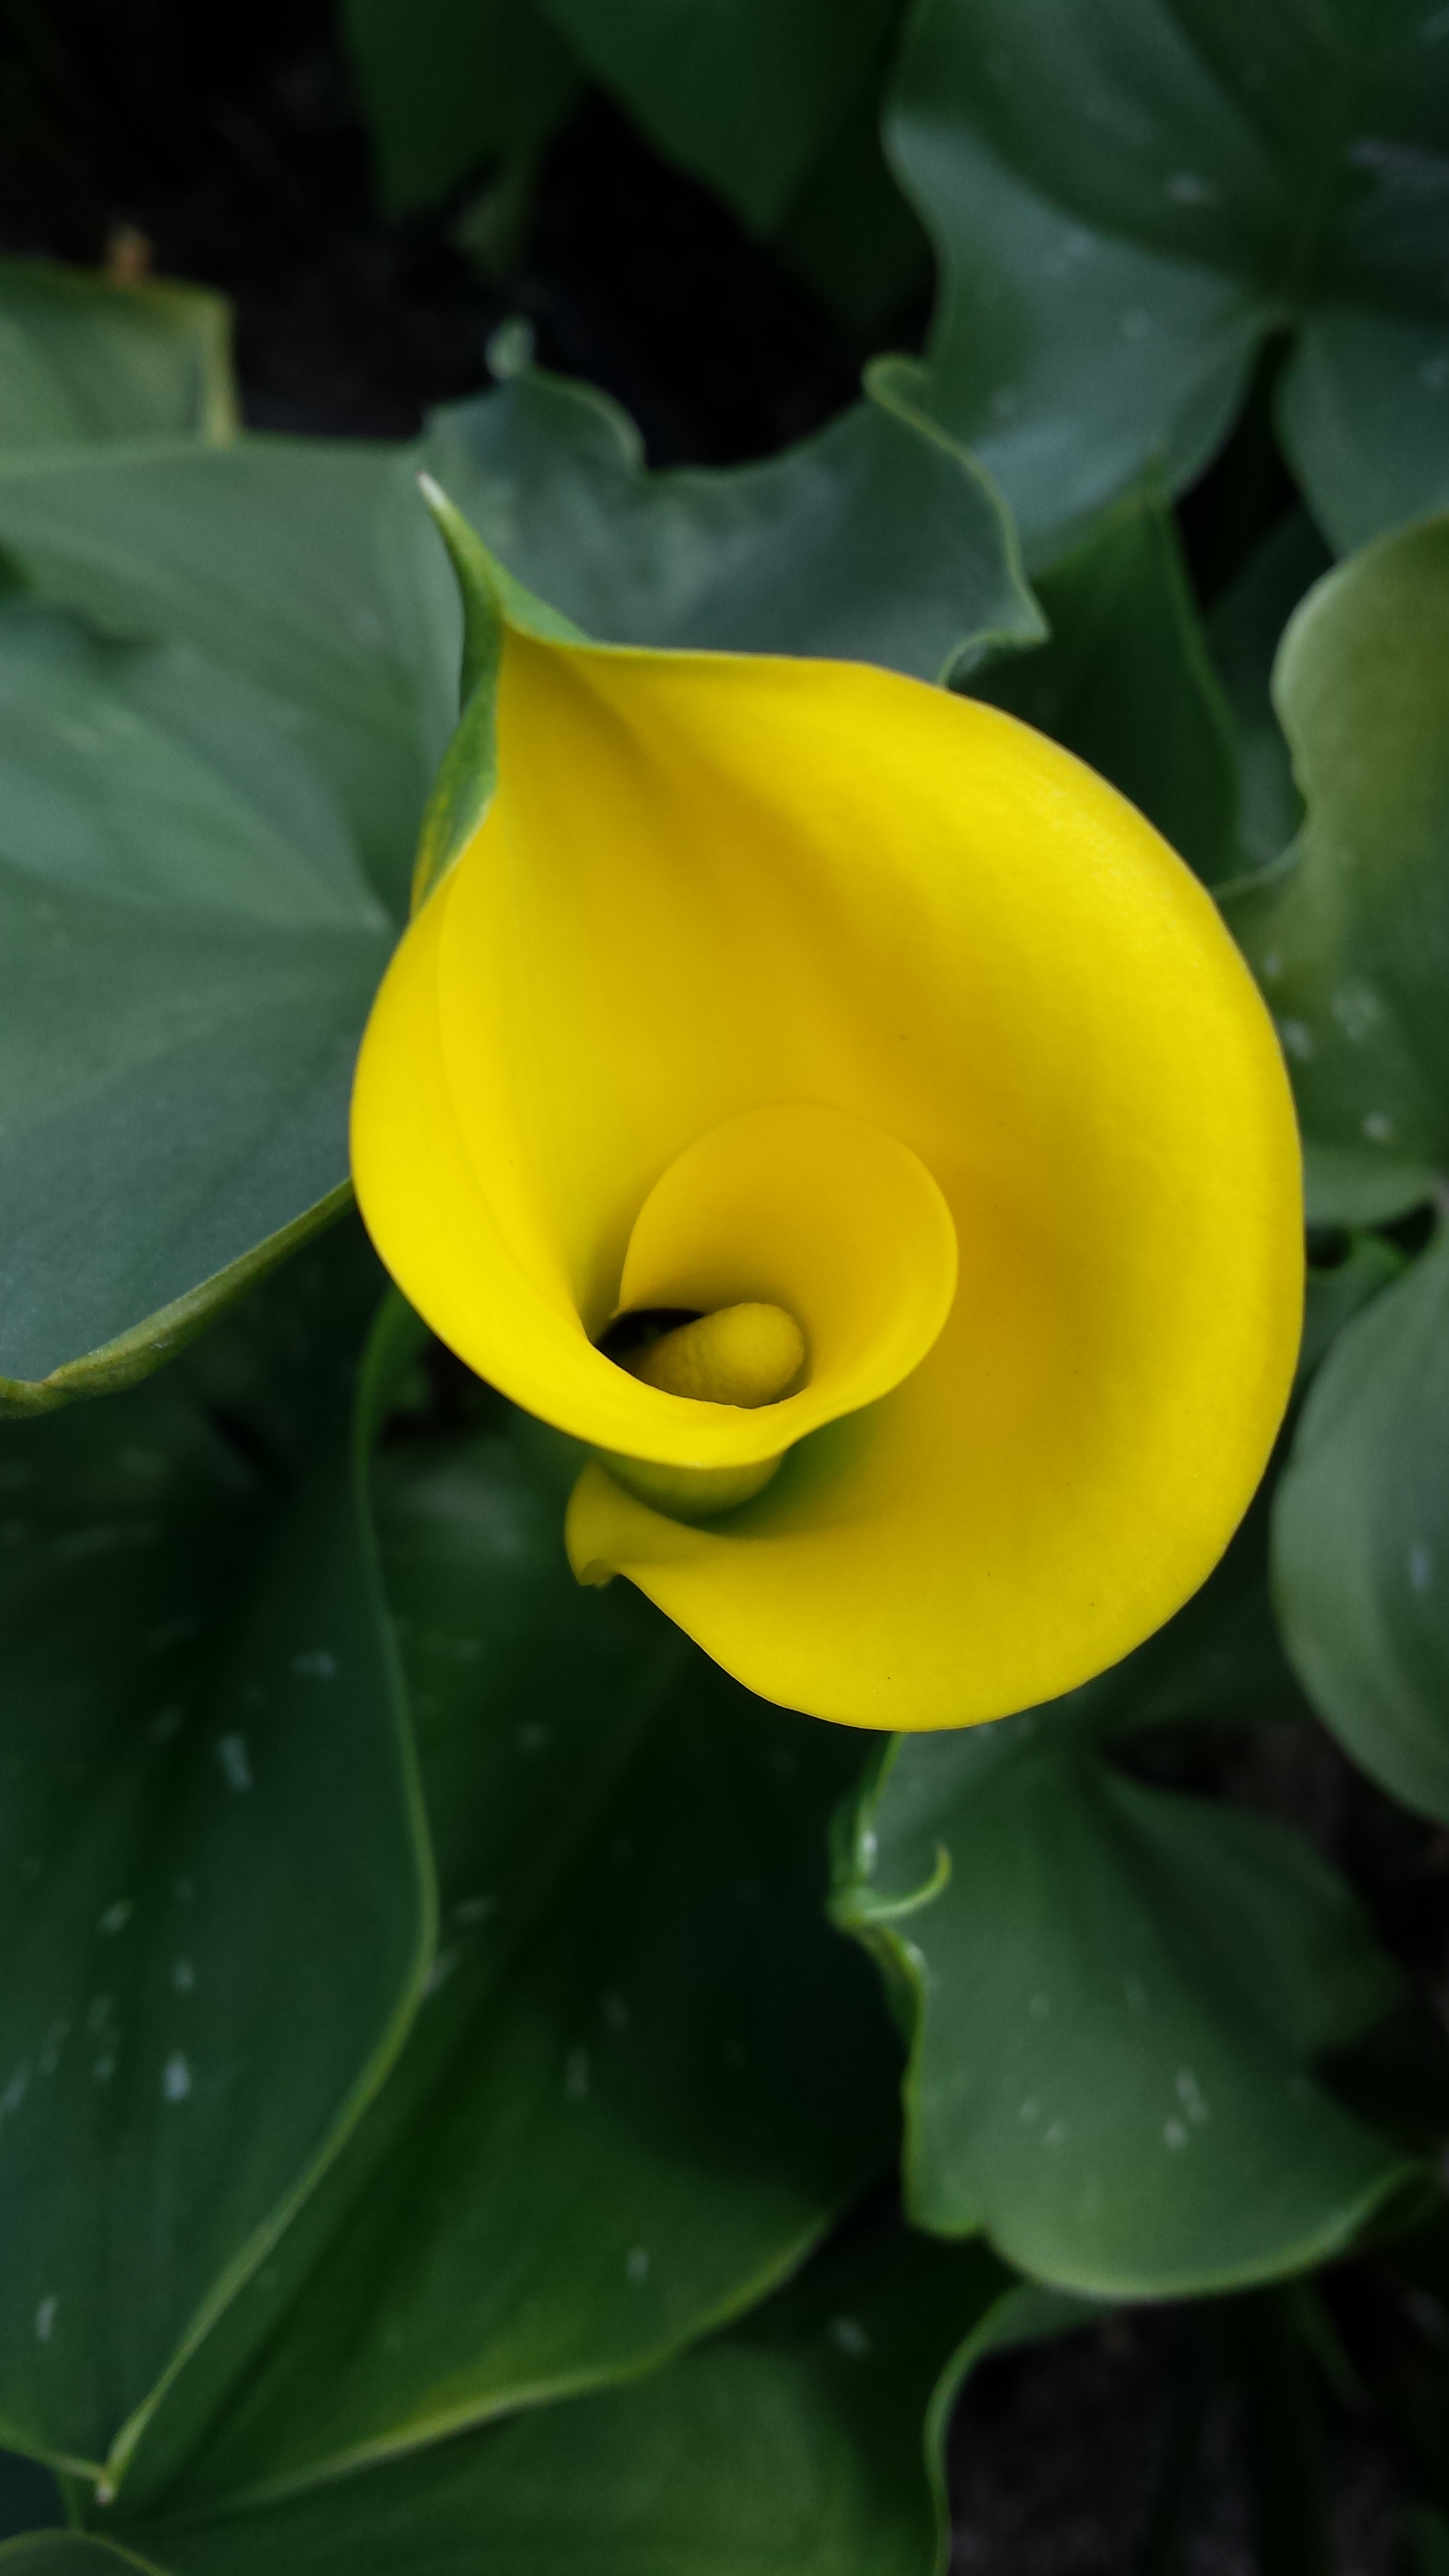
(806, 984)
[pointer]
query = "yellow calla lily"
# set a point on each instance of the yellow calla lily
(809, 991)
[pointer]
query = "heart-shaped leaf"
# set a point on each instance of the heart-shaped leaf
(1129, 197)
(308, 571)
(647, 2073)
(188, 949)
(1120, 2095)
(879, 540)
(215, 1884)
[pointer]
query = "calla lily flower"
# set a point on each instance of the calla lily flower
(835, 1106)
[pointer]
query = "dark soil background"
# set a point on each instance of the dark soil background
(230, 140)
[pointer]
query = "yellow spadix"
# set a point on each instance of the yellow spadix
(869, 1030)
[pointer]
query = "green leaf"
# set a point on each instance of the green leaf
(307, 571)
(1244, 632)
(1129, 196)
(647, 2074)
(1364, 408)
(1362, 1538)
(1126, 683)
(447, 84)
(82, 358)
(189, 949)
(216, 1889)
(790, 2447)
(849, 233)
(69, 2553)
(743, 93)
(878, 540)
(1121, 2103)
(1350, 939)
(202, 870)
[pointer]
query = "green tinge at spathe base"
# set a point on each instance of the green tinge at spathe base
(804, 984)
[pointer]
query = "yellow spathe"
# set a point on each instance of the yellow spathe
(803, 984)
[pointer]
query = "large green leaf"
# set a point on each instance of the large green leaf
(1115, 1991)
(790, 2447)
(744, 93)
(448, 83)
(877, 540)
(188, 948)
(202, 864)
(647, 2073)
(215, 1886)
(82, 358)
(1129, 196)
(1350, 939)
(307, 570)
(1126, 683)
(1362, 1538)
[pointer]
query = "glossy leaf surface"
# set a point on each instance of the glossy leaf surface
(1128, 196)
(206, 852)
(1350, 940)
(307, 571)
(876, 541)
(1122, 2103)
(188, 948)
(647, 2073)
(215, 1887)
(1362, 1538)
(790, 2447)
(83, 359)
(1126, 683)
